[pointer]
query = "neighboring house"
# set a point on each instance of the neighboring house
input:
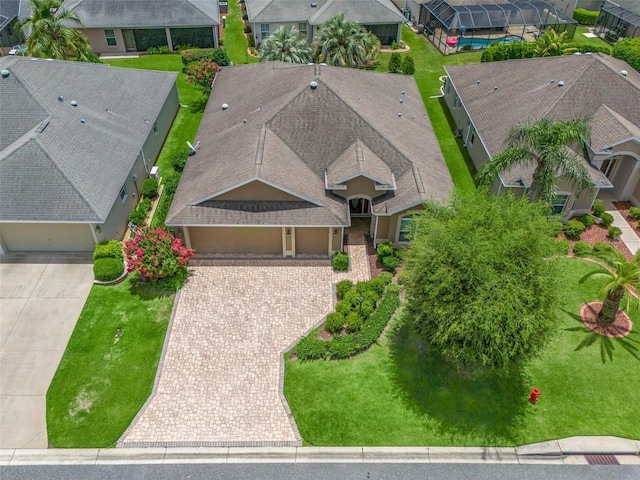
(380, 17)
(285, 164)
(76, 143)
(121, 26)
(11, 12)
(486, 100)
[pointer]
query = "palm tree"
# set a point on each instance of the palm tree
(552, 45)
(543, 143)
(345, 44)
(285, 46)
(623, 275)
(49, 33)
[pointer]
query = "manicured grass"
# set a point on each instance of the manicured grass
(235, 43)
(580, 38)
(100, 385)
(429, 64)
(400, 393)
(187, 121)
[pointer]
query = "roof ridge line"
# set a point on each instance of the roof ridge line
(567, 90)
(200, 10)
(261, 10)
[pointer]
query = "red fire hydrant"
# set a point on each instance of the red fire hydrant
(533, 396)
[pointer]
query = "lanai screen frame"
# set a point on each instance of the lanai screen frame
(617, 22)
(441, 21)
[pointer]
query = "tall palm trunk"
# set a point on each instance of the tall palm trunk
(611, 305)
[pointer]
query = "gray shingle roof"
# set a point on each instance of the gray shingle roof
(268, 11)
(145, 13)
(8, 11)
(287, 134)
(530, 89)
(356, 160)
(79, 167)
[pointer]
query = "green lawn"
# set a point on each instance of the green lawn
(580, 38)
(235, 43)
(399, 393)
(100, 385)
(185, 126)
(429, 64)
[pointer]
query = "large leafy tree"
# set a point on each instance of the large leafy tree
(345, 44)
(478, 287)
(50, 34)
(622, 276)
(544, 144)
(286, 46)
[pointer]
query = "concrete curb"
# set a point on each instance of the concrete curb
(564, 451)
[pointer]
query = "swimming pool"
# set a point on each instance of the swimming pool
(486, 42)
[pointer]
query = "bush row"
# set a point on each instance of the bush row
(139, 215)
(628, 49)
(108, 261)
(217, 55)
(516, 50)
(108, 249)
(585, 17)
(388, 257)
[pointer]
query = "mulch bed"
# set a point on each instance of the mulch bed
(621, 326)
(374, 266)
(598, 233)
(623, 208)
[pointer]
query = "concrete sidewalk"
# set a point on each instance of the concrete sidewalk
(570, 451)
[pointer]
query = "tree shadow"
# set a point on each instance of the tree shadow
(148, 290)
(481, 404)
(607, 344)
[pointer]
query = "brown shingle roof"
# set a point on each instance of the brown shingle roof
(358, 160)
(279, 130)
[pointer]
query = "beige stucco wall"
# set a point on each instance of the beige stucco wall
(635, 198)
(388, 227)
(360, 186)
(230, 240)
(257, 190)
(39, 237)
(255, 27)
(98, 41)
(312, 240)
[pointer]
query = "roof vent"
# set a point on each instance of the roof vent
(244, 120)
(622, 72)
(495, 87)
(74, 103)
(314, 4)
(61, 98)
(82, 120)
(400, 114)
(552, 80)
(477, 82)
(5, 73)
(561, 83)
(225, 106)
(401, 101)
(313, 85)
(576, 53)
(403, 92)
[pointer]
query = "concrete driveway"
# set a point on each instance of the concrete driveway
(41, 297)
(220, 380)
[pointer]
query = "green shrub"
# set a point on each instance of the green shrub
(247, 28)
(408, 67)
(374, 326)
(394, 45)
(367, 308)
(343, 347)
(556, 227)
(384, 250)
(582, 249)
(252, 41)
(334, 323)
(508, 51)
(390, 263)
(628, 50)
(150, 188)
(363, 286)
(343, 287)
(343, 308)
(144, 206)
(587, 220)
(573, 229)
(378, 284)
(353, 298)
(386, 277)
(395, 63)
(598, 207)
(340, 261)
(602, 247)
(634, 213)
(394, 289)
(606, 219)
(311, 347)
(217, 55)
(179, 160)
(585, 17)
(171, 183)
(614, 232)
(162, 210)
(371, 296)
(400, 253)
(354, 322)
(108, 269)
(137, 218)
(108, 249)
(561, 246)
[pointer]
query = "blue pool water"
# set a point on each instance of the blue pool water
(486, 42)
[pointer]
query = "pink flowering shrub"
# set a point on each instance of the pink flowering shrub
(202, 73)
(156, 254)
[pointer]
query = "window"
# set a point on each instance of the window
(407, 227)
(155, 128)
(302, 28)
(110, 35)
(559, 202)
(123, 194)
(264, 30)
(448, 85)
(473, 137)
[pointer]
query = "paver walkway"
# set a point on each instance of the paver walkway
(219, 383)
(629, 236)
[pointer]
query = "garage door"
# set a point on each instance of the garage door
(312, 240)
(47, 237)
(237, 240)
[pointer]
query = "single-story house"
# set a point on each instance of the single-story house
(121, 26)
(76, 143)
(285, 164)
(486, 100)
(380, 17)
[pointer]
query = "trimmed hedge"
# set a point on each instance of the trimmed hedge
(517, 50)
(340, 261)
(582, 249)
(602, 247)
(311, 347)
(607, 219)
(614, 232)
(598, 207)
(334, 323)
(137, 218)
(217, 55)
(587, 220)
(585, 17)
(628, 49)
(108, 269)
(108, 249)
(343, 287)
(573, 229)
(150, 188)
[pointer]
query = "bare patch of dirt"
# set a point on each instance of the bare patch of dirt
(620, 327)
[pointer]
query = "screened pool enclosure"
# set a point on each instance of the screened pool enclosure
(454, 25)
(616, 22)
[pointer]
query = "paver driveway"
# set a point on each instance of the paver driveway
(219, 382)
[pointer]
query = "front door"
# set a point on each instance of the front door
(608, 166)
(129, 40)
(360, 207)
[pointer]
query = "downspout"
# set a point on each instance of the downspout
(468, 132)
(144, 161)
(375, 233)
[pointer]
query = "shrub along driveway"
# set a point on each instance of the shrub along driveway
(41, 296)
(219, 382)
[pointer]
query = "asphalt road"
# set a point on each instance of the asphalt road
(323, 471)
